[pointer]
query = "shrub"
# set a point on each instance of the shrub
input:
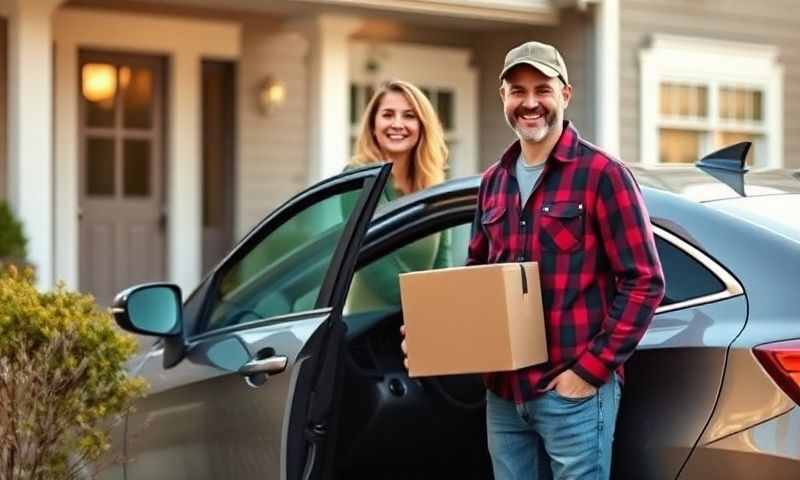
(62, 380)
(12, 239)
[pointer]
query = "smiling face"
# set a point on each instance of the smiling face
(396, 126)
(534, 103)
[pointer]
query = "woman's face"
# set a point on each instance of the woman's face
(396, 125)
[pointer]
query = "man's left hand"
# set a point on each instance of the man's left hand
(568, 384)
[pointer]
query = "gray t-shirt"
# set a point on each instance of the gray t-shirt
(526, 178)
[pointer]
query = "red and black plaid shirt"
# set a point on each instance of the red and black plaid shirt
(587, 226)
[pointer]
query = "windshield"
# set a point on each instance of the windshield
(779, 213)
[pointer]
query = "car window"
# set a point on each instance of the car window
(685, 277)
(283, 273)
(376, 285)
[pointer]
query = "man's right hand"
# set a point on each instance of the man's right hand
(403, 346)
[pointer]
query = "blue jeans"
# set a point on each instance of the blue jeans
(552, 437)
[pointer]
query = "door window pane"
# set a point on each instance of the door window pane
(137, 86)
(136, 168)
(741, 104)
(100, 166)
(283, 273)
(678, 146)
(444, 106)
(99, 90)
(355, 108)
(687, 101)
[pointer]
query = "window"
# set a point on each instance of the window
(446, 75)
(685, 277)
(376, 287)
(283, 273)
(699, 95)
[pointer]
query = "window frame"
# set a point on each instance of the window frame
(732, 287)
(714, 64)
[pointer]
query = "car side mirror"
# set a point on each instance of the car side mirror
(150, 309)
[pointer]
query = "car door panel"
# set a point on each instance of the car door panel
(203, 419)
(198, 421)
(677, 372)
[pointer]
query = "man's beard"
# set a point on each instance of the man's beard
(535, 134)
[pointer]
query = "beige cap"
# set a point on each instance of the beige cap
(541, 56)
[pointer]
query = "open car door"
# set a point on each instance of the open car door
(248, 388)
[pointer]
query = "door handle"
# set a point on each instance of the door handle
(271, 366)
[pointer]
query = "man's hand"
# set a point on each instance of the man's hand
(568, 384)
(403, 346)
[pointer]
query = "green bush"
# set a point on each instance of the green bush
(62, 381)
(12, 238)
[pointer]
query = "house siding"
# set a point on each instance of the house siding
(273, 149)
(771, 23)
(574, 39)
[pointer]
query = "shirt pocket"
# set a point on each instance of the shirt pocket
(492, 222)
(561, 227)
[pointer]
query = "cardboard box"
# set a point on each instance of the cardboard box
(485, 318)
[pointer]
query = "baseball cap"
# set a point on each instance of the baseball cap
(541, 56)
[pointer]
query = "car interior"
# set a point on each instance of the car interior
(393, 426)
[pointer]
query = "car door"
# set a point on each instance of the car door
(253, 396)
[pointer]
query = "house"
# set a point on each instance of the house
(141, 138)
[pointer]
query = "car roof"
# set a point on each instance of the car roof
(684, 180)
(692, 183)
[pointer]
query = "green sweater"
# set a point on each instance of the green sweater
(376, 286)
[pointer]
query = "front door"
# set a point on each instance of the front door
(121, 172)
(278, 297)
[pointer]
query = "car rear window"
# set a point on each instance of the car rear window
(779, 213)
(685, 277)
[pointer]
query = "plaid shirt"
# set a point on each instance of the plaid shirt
(587, 226)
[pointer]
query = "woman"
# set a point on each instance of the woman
(400, 126)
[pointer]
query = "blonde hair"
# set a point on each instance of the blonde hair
(430, 153)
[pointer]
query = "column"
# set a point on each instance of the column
(329, 94)
(607, 95)
(30, 131)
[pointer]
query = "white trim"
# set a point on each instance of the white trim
(185, 43)
(430, 67)
(712, 63)
(328, 106)
(607, 94)
(531, 12)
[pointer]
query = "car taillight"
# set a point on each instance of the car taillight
(782, 361)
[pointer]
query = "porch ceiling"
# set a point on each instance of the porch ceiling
(460, 14)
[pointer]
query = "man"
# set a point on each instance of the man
(555, 199)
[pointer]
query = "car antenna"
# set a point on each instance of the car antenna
(728, 165)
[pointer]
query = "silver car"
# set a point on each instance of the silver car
(271, 370)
